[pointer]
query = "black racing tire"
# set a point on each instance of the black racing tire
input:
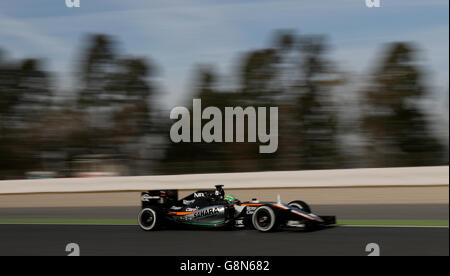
(300, 205)
(265, 219)
(149, 219)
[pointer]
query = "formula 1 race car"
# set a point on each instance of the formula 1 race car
(211, 208)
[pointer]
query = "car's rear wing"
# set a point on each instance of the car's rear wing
(157, 197)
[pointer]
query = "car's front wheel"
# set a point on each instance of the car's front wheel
(264, 219)
(300, 205)
(148, 219)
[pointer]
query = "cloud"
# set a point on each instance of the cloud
(26, 33)
(178, 34)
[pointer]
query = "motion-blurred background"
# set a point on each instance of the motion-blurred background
(88, 91)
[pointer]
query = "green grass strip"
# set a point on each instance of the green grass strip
(69, 221)
(393, 222)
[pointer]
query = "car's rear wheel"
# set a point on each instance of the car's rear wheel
(148, 219)
(300, 205)
(264, 219)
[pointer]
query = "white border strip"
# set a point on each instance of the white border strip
(377, 177)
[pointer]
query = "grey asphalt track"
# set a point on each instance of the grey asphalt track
(392, 211)
(129, 240)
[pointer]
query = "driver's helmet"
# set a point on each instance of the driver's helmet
(230, 199)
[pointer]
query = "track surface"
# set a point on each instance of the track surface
(401, 211)
(129, 240)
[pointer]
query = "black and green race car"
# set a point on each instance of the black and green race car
(211, 208)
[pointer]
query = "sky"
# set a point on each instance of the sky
(179, 34)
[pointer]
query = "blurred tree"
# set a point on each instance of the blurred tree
(9, 97)
(116, 94)
(25, 94)
(316, 115)
(34, 89)
(199, 157)
(259, 71)
(273, 77)
(96, 68)
(397, 128)
(284, 40)
(115, 110)
(131, 87)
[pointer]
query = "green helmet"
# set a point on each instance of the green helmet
(230, 199)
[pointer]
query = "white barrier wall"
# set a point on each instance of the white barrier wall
(376, 177)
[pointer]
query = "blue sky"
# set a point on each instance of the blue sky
(178, 34)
